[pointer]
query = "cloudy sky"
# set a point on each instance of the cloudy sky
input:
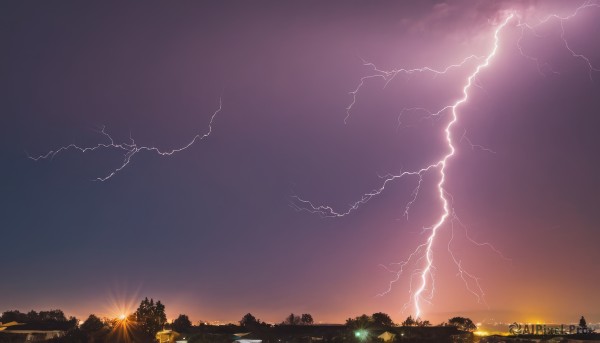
(212, 231)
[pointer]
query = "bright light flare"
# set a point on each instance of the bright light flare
(481, 333)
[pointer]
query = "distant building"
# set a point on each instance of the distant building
(247, 337)
(167, 336)
(35, 335)
(29, 334)
(387, 336)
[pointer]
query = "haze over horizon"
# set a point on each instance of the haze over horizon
(210, 232)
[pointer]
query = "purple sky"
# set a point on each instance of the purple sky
(210, 231)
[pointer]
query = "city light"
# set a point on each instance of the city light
(361, 334)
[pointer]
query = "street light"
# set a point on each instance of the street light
(361, 334)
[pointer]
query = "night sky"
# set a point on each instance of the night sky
(210, 231)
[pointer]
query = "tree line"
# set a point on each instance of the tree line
(150, 318)
(52, 319)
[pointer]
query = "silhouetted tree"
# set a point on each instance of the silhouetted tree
(360, 322)
(48, 320)
(150, 316)
(462, 323)
(409, 321)
(182, 323)
(249, 321)
(72, 322)
(423, 323)
(92, 324)
(94, 329)
(307, 319)
(111, 323)
(582, 323)
(14, 316)
(52, 315)
(32, 316)
(382, 319)
(292, 319)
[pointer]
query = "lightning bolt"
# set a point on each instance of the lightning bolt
(128, 149)
(426, 273)
(422, 256)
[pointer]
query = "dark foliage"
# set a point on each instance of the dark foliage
(462, 323)
(150, 317)
(43, 320)
(382, 319)
(307, 319)
(249, 321)
(182, 323)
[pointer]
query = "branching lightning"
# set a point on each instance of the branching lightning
(389, 75)
(129, 149)
(421, 279)
(561, 19)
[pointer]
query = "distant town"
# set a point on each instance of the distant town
(149, 324)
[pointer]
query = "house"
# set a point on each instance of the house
(167, 336)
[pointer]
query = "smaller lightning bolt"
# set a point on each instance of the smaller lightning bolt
(427, 114)
(475, 146)
(471, 281)
(129, 149)
(561, 19)
(591, 68)
(328, 211)
(389, 75)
